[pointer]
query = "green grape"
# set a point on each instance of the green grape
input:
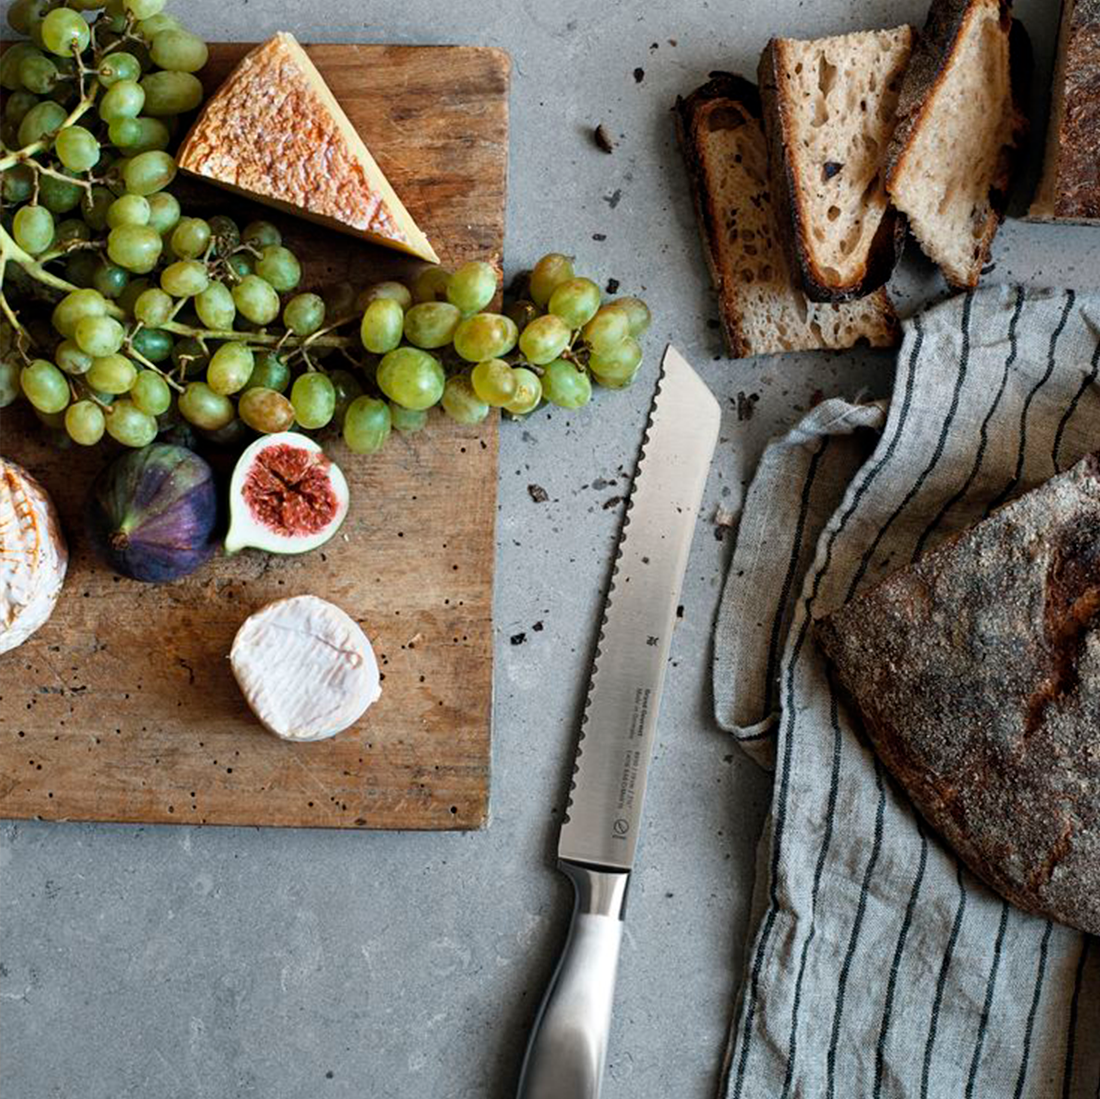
(144, 9)
(230, 368)
(71, 229)
(185, 278)
(242, 265)
(607, 329)
(65, 33)
(43, 118)
(544, 339)
(33, 229)
(71, 359)
(619, 362)
(367, 425)
(304, 314)
(314, 398)
(73, 307)
(407, 420)
(80, 268)
(225, 233)
(124, 99)
(151, 394)
(411, 377)
(382, 325)
(44, 386)
(18, 184)
(153, 307)
(9, 382)
(576, 301)
(128, 298)
(110, 280)
(261, 234)
(112, 373)
(256, 299)
(190, 238)
(171, 93)
(472, 286)
(118, 66)
(279, 266)
(162, 21)
(347, 387)
(485, 336)
(637, 313)
(38, 74)
(85, 422)
(11, 61)
(147, 135)
(77, 148)
(99, 336)
(528, 392)
(94, 205)
(270, 372)
(128, 210)
(201, 406)
(124, 133)
(128, 425)
(566, 386)
(59, 195)
(164, 212)
(189, 356)
(398, 291)
(461, 403)
(153, 343)
(149, 172)
(135, 247)
(265, 411)
(215, 306)
(178, 50)
(431, 285)
(494, 382)
(522, 313)
(17, 106)
(431, 324)
(548, 274)
(615, 383)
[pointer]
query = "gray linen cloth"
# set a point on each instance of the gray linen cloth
(876, 964)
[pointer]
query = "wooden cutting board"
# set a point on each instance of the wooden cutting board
(123, 708)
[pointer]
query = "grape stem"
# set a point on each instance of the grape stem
(260, 339)
(135, 354)
(42, 144)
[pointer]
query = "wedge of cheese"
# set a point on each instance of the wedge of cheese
(275, 133)
(33, 555)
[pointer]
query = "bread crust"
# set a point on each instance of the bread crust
(791, 215)
(977, 674)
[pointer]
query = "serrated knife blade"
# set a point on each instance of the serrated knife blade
(598, 843)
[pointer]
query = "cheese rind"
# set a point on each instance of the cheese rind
(305, 668)
(275, 132)
(33, 555)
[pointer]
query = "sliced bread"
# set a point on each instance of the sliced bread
(829, 114)
(959, 131)
(762, 308)
(1070, 187)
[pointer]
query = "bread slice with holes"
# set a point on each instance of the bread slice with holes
(959, 133)
(829, 114)
(762, 308)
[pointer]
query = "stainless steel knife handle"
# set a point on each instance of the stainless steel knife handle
(568, 1047)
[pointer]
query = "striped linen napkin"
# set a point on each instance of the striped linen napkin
(877, 966)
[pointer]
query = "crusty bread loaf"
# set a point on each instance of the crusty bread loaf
(829, 113)
(1070, 187)
(959, 129)
(977, 674)
(762, 310)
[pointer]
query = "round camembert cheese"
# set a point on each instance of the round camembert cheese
(305, 667)
(33, 555)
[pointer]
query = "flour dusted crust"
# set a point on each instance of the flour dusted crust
(275, 132)
(977, 674)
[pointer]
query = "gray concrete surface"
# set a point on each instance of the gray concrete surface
(165, 963)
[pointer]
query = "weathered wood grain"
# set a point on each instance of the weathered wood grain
(123, 707)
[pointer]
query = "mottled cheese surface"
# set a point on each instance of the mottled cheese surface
(305, 668)
(275, 131)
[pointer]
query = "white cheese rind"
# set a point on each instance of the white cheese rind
(305, 668)
(33, 555)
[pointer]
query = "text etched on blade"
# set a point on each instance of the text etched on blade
(632, 761)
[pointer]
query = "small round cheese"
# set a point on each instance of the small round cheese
(306, 669)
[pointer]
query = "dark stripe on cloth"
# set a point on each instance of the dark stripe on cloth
(1039, 977)
(1071, 1036)
(1086, 381)
(987, 1006)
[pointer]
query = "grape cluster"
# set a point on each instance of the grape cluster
(152, 319)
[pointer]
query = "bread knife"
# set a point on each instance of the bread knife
(567, 1050)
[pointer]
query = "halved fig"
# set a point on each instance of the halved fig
(286, 496)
